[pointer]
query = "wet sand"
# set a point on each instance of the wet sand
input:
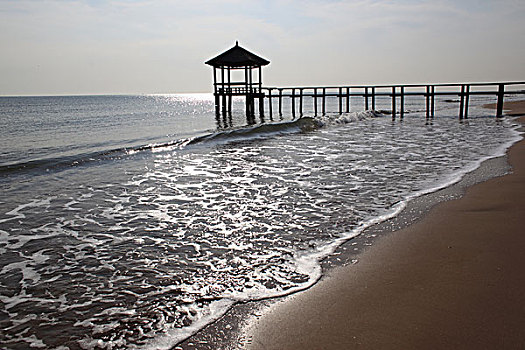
(452, 280)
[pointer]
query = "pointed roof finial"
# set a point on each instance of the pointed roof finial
(236, 43)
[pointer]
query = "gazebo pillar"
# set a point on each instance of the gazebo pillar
(215, 92)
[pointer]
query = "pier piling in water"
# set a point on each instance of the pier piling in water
(366, 99)
(270, 109)
(340, 96)
(347, 100)
(402, 103)
(324, 101)
(373, 98)
(393, 103)
(499, 107)
(301, 102)
(467, 97)
(427, 103)
(432, 98)
(461, 101)
(315, 102)
(293, 102)
(280, 102)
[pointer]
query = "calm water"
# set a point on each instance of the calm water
(133, 221)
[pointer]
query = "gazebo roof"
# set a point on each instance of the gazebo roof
(237, 57)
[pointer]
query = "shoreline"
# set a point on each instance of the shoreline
(228, 331)
(235, 329)
(445, 281)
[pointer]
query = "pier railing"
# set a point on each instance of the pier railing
(318, 94)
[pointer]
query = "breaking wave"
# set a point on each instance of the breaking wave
(303, 124)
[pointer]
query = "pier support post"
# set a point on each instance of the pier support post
(301, 102)
(432, 98)
(366, 99)
(324, 101)
(467, 96)
(270, 107)
(427, 101)
(393, 103)
(374, 98)
(402, 103)
(280, 102)
(340, 101)
(315, 101)
(501, 94)
(217, 105)
(347, 100)
(248, 107)
(461, 101)
(224, 107)
(293, 102)
(261, 107)
(248, 110)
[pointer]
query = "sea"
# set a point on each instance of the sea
(133, 221)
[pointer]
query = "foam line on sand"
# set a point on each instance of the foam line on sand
(452, 280)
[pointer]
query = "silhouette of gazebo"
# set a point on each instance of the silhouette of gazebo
(237, 58)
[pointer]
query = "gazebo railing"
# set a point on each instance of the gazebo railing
(239, 91)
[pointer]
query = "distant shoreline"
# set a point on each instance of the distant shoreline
(511, 108)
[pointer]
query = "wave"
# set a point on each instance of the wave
(45, 165)
(303, 124)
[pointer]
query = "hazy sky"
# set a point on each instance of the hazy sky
(160, 46)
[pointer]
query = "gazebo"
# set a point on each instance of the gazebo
(237, 58)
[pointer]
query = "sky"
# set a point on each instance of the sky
(74, 47)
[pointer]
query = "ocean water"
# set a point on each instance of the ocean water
(133, 221)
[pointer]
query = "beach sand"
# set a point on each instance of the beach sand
(452, 280)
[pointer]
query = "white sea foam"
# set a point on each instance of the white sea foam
(145, 252)
(16, 212)
(216, 310)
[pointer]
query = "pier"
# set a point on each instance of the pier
(238, 59)
(317, 96)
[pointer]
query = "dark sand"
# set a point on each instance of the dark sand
(453, 280)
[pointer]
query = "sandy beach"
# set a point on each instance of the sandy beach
(452, 280)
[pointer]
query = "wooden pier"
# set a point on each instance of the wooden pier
(397, 94)
(240, 60)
